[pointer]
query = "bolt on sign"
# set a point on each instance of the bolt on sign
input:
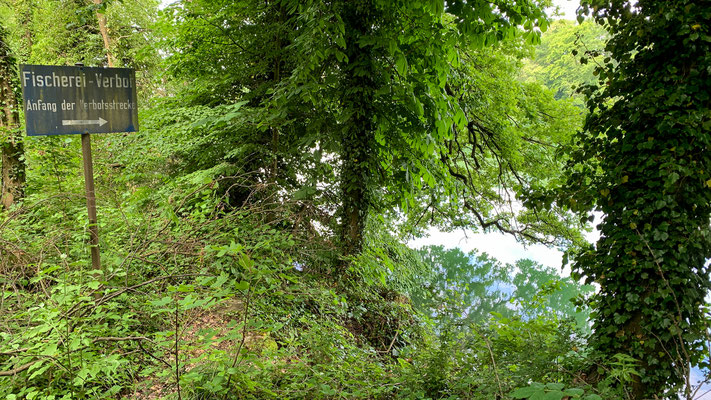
(63, 100)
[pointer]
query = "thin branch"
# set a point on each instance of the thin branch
(19, 369)
(244, 335)
(493, 361)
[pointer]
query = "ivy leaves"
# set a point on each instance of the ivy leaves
(643, 162)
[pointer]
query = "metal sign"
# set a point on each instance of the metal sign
(62, 100)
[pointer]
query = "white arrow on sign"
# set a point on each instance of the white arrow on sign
(99, 121)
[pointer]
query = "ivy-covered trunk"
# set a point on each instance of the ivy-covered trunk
(358, 133)
(12, 158)
(645, 164)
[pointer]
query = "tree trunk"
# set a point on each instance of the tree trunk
(105, 35)
(274, 171)
(358, 136)
(12, 157)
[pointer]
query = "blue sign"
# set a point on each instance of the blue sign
(63, 100)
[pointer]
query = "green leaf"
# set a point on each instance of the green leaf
(574, 392)
(50, 350)
(401, 64)
(524, 393)
(554, 395)
(162, 302)
(538, 396)
(555, 386)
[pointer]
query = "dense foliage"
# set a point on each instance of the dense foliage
(557, 62)
(643, 161)
(253, 234)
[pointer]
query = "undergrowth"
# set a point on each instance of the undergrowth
(198, 299)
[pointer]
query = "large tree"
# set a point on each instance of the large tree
(387, 71)
(644, 162)
(365, 107)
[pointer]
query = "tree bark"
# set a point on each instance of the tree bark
(12, 154)
(105, 35)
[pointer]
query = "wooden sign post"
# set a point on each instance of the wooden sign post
(91, 200)
(63, 100)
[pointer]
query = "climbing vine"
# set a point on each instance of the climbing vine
(643, 161)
